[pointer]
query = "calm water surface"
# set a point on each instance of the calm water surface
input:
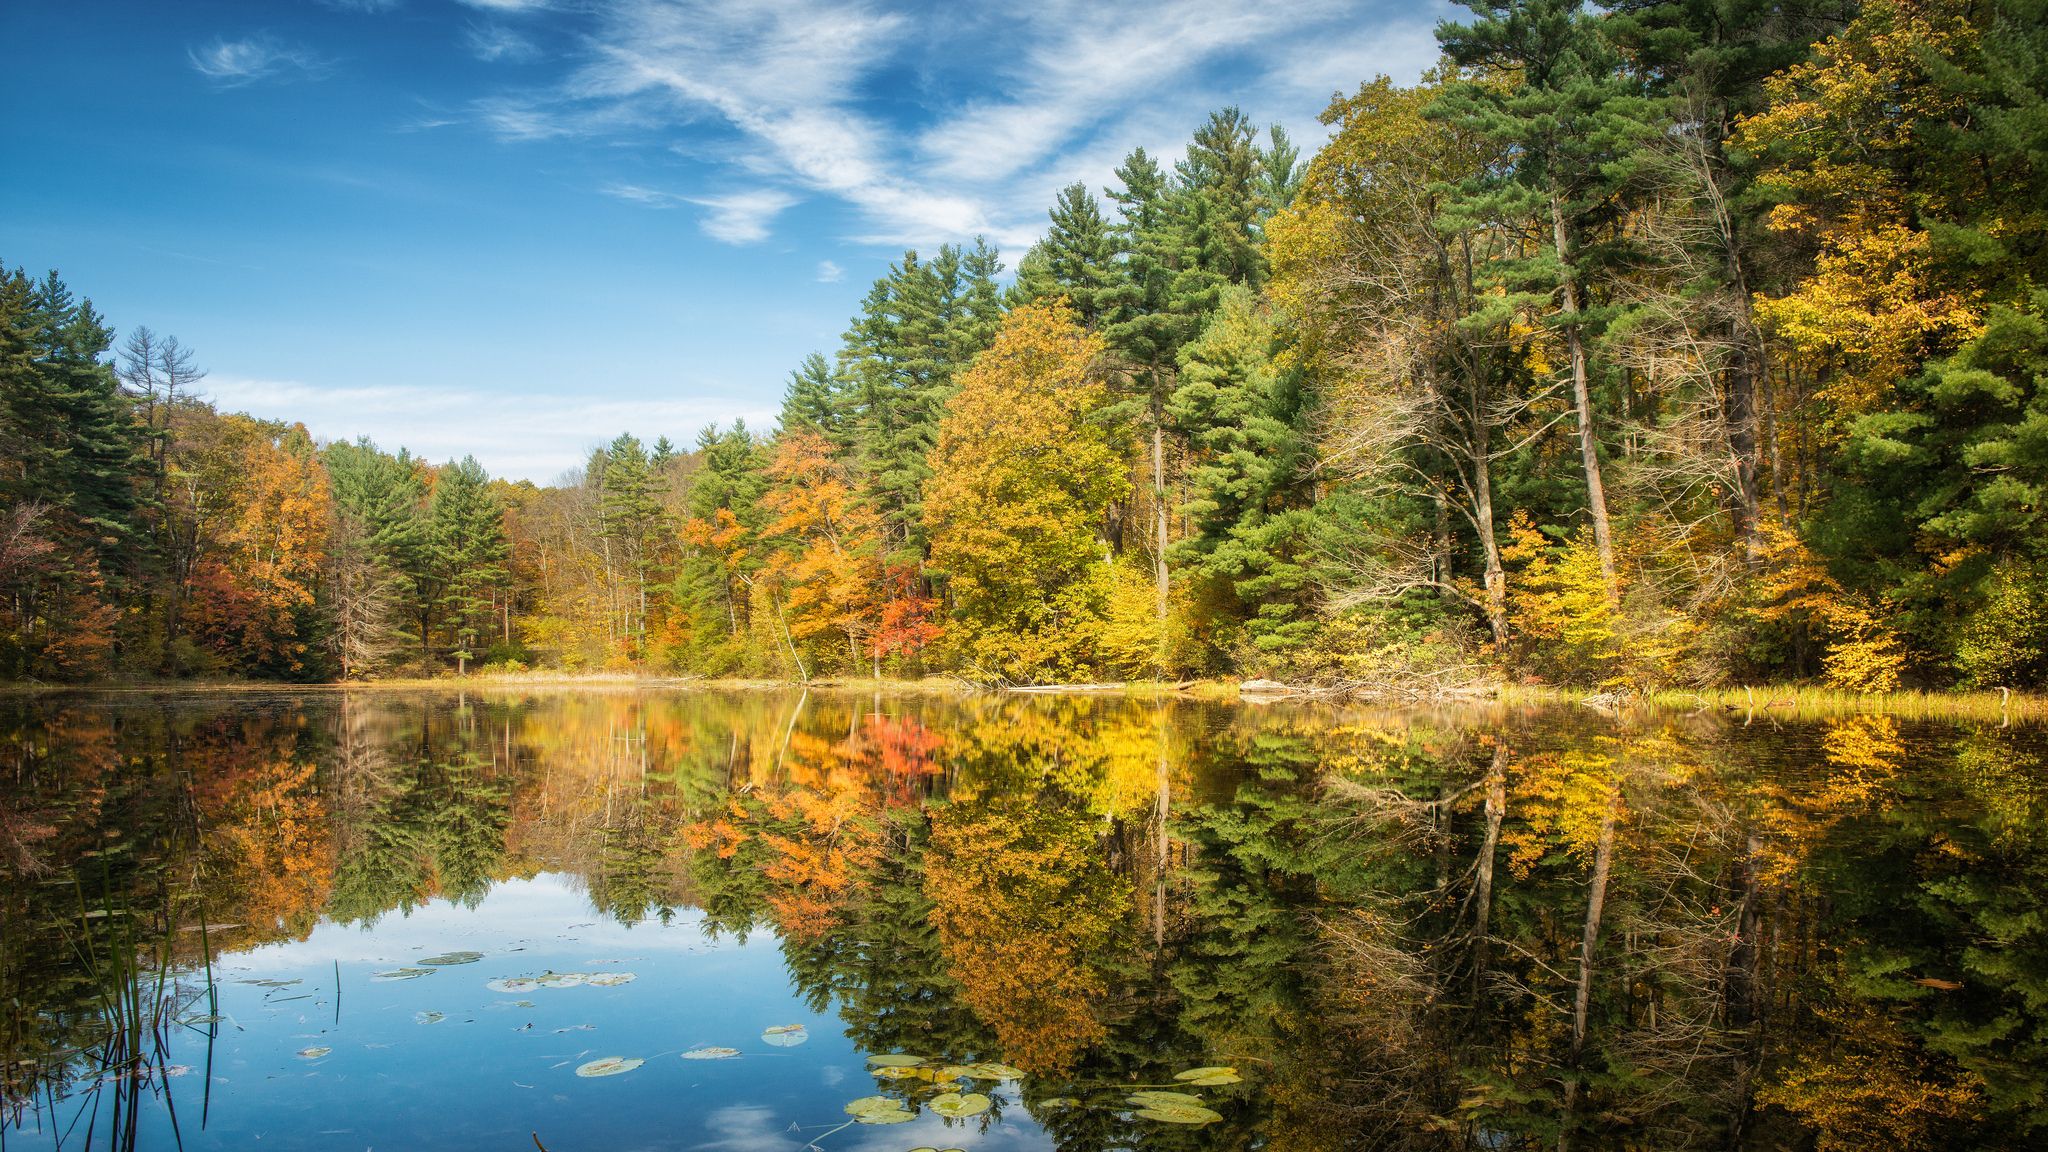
(408, 921)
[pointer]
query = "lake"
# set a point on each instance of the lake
(613, 920)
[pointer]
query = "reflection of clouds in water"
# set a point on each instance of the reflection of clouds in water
(749, 1128)
(535, 913)
(833, 1076)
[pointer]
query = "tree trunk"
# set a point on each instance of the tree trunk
(1161, 806)
(1582, 400)
(1159, 573)
(1740, 412)
(1482, 893)
(1582, 1000)
(1482, 518)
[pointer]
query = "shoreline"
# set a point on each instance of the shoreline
(1755, 701)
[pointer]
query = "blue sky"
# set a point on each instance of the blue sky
(514, 228)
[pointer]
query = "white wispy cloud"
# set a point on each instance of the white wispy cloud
(509, 5)
(1082, 62)
(538, 438)
(652, 197)
(783, 73)
(232, 63)
(821, 96)
(495, 42)
(830, 273)
(743, 217)
(736, 218)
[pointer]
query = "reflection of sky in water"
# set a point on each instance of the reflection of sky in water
(491, 1073)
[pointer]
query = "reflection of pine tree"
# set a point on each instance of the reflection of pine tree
(1252, 889)
(434, 825)
(467, 824)
(365, 784)
(627, 882)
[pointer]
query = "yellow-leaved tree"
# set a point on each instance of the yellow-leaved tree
(1022, 475)
(1839, 150)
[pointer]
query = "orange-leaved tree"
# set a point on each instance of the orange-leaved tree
(828, 565)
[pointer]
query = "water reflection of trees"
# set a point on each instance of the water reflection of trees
(1499, 930)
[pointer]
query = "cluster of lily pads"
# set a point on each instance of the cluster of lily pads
(1168, 1106)
(1164, 1104)
(777, 1036)
(426, 966)
(946, 1081)
(517, 984)
(780, 1035)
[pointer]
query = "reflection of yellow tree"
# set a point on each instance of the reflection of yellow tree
(1104, 753)
(276, 834)
(1568, 802)
(1862, 1083)
(1026, 913)
(1863, 754)
(1860, 755)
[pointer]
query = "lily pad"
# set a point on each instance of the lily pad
(897, 1072)
(990, 1070)
(879, 1110)
(561, 979)
(609, 979)
(711, 1053)
(1055, 1103)
(513, 984)
(446, 959)
(954, 1106)
(1151, 1097)
(785, 1035)
(427, 1017)
(609, 1066)
(895, 1060)
(1180, 1114)
(312, 1053)
(402, 974)
(1208, 1077)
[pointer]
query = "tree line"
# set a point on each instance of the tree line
(1677, 341)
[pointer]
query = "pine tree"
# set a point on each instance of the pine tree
(1077, 258)
(1573, 121)
(919, 327)
(386, 496)
(1223, 182)
(815, 400)
(1281, 172)
(71, 437)
(1146, 326)
(1707, 60)
(1251, 497)
(632, 524)
(723, 506)
(471, 552)
(72, 483)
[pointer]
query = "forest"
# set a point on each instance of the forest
(1678, 342)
